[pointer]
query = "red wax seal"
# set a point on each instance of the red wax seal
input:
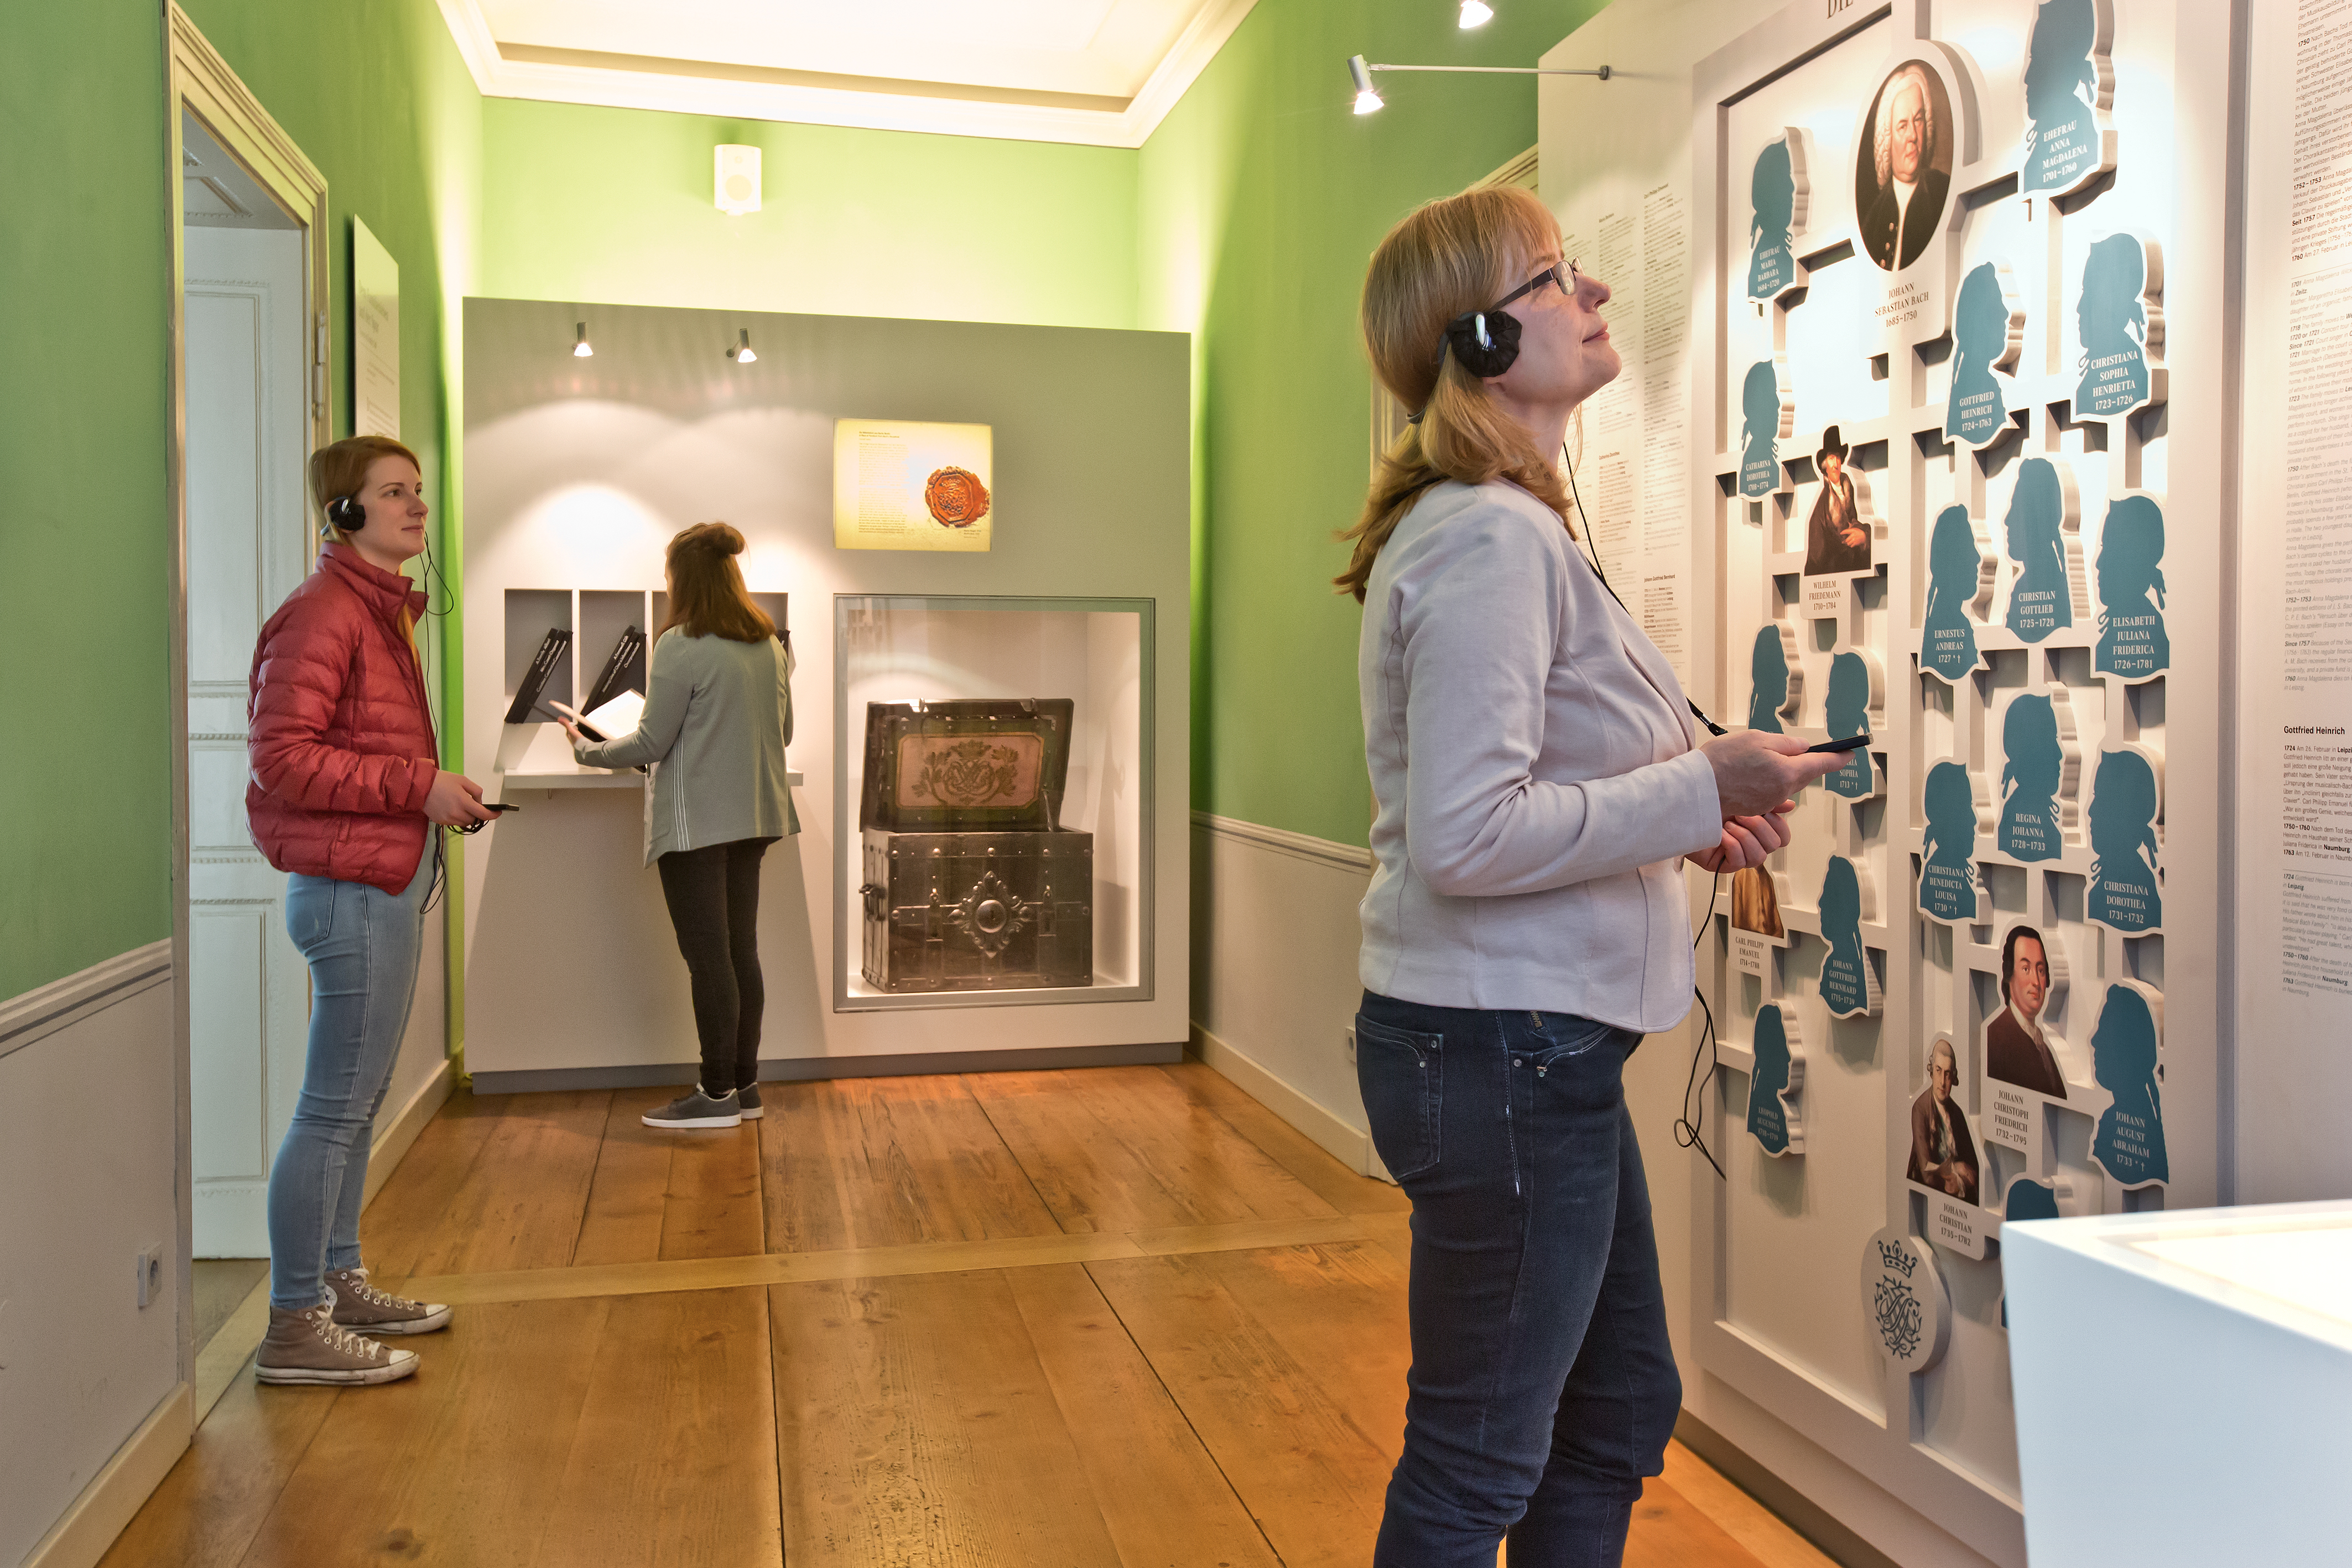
(956, 496)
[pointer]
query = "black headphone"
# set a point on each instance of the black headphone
(1486, 342)
(347, 513)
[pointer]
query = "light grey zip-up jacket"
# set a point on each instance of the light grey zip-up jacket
(1533, 768)
(719, 715)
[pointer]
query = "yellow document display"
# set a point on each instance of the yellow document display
(898, 485)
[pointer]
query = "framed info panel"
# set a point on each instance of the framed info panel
(1957, 464)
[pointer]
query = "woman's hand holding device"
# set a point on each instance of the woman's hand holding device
(456, 800)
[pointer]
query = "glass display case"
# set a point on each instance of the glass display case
(992, 800)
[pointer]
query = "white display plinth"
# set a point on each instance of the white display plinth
(2180, 1383)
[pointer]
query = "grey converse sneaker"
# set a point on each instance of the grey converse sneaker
(747, 1100)
(363, 1309)
(309, 1347)
(697, 1110)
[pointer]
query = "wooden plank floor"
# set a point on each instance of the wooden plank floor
(1121, 1318)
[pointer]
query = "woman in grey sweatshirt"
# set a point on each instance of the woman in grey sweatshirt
(1537, 784)
(717, 716)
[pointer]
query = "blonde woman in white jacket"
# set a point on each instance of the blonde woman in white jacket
(1538, 785)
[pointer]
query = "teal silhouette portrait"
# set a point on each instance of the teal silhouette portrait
(1767, 1116)
(2030, 1199)
(1977, 412)
(2062, 87)
(1845, 976)
(2114, 327)
(2129, 1139)
(2042, 600)
(2030, 779)
(2122, 896)
(1768, 675)
(1956, 562)
(1948, 875)
(2132, 640)
(1759, 432)
(1848, 714)
(1772, 198)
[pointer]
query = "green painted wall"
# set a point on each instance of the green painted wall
(1261, 199)
(614, 205)
(84, 791)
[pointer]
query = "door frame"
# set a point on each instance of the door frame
(201, 82)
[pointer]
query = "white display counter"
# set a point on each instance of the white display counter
(2180, 1383)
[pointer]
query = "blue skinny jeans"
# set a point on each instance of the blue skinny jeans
(363, 944)
(1543, 1387)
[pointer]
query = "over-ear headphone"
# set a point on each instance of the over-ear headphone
(1486, 342)
(346, 513)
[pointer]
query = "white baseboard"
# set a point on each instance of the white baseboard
(114, 1495)
(384, 1156)
(1343, 1142)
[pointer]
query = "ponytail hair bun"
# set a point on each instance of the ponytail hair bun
(707, 596)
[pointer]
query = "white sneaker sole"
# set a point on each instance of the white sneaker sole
(426, 1324)
(399, 1366)
(755, 1113)
(734, 1120)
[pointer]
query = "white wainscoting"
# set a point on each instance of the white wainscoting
(1274, 980)
(89, 1156)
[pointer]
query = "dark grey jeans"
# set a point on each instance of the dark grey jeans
(1543, 1387)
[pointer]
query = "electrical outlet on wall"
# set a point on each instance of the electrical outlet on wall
(1348, 1040)
(151, 1275)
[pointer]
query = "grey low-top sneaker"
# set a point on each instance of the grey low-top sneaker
(363, 1309)
(747, 1100)
(312, 1347)
(697, 1110)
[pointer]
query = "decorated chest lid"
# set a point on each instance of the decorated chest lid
(981, 763)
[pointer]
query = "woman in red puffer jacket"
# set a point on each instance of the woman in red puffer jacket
(343, 793)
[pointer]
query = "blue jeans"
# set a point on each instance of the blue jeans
(362, 944)
(1543, 1387)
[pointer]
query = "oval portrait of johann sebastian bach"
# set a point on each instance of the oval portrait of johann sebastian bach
(1903, 166)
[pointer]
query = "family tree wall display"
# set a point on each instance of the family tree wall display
(1943, 1165)
(2041, 534)
(1964, 558)
(1848, 983)
(2040, 772)
(1756, 928)
(2133, 644)
(1905, 1299)
(1988, 334)
(1777, 1082)
(1856, 698)
(2069, 87)
(1957, 815)
(2119, 326)
(1768, 416)
(1779, 202)
(1920, 126)
(1776, 679)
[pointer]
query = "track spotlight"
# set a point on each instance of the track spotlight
(1367, 101)
(579, 348)
(742, 352)
(1477, 12)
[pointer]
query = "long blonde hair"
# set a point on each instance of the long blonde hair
(1447, 258)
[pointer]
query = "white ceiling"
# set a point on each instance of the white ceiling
(1099, 71)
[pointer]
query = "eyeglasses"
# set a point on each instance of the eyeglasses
(1562, 273)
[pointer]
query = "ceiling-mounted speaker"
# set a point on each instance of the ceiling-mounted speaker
(735, 179)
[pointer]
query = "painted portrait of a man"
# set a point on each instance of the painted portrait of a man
(1943, 1153)
(1903, 166)
(2016, 1050)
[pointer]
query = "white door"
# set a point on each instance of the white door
(248, 546)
